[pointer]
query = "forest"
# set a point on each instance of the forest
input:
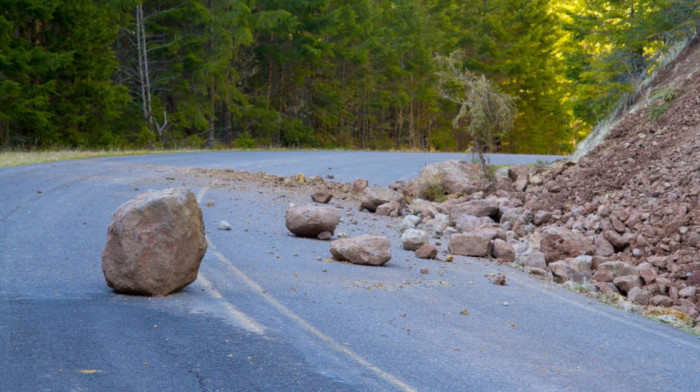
(360, 74)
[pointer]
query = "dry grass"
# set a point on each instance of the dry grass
(18, 158)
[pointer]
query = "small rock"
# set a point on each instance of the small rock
(321, 194)
(561, 271)
(413, 239)
(639, 296)
(210, 203)
(500, 280)
(426, 251)
(359, 185)
(324, 235)
(223, 225)
(373, 197)
(392, 208)
(424, 271)
(603, 247)
(687, 292)
(464, 312)
(616, 240)
(661, 300)
(409, 222)
(542, 217)
(648, 274)
(533, 259)
(330, 176)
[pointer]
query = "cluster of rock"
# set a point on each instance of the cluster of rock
(597, 245)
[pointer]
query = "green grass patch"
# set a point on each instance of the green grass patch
(661, 101)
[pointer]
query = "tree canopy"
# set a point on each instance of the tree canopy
(320, 73)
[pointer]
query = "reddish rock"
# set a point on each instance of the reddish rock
(469, 245)
(310, 221)
(321, 194)
(648, 274)
(466, 223)
(426, 251)
(687, 292)
(478, 208)
(542, 217)
(558, 243)
(603, 247)
(533, 260)
(626, 283)
(374, 196)
(561, 271)
(155, 243)
(519, 175)
(661, 300)
(639, 296)
(616, 240)
(503, 251)
(365, 249)
(359, 185)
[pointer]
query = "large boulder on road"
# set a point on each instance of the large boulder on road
(155, 243)
(311, 221)
(366, 249)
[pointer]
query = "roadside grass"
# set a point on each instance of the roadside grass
(18, 158)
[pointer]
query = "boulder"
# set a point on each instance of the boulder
(359, 185)
(366, 249)
(426, 251)
(612, 269)
(503, 251)
(687, 292)
(626, 283)
(412, 239)
(603, 247)
(310, 221)
(661, 300)
(321, 194)
(559, 243)
(467, 222)
(374, 196)
(392, 208)
(648, 274)
(533, 259)
(639, 296)
(519, 175)
(469, 245)
(478, 208)
(561, 271)
(491, 232)
(155, 243)
(409, 222)
(422, 208)
(450, 176)
(616, 240)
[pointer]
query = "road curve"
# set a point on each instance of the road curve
(269, 312)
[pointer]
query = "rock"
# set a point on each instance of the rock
(310, 221)
(626, 283)
(499, 280)
(687, 292)
(503, 251)
(478, 208)
(603, 247)
(637, 295)
(533, 260)
(301, 178)
(324, 235)
(616, 240)
(155, 243)
(412, 239)
(374, 196)
(397, 186)
(392, 208)
(558, 243)
(409, 222)
(466, 223)
(359, 185)
(223, 225)
(450, 176)
(535, 180)
(469, 245)
(542, 217)
(426, 251)
(366, 249)
(422, 208)
(321, 194)
(582, 268)
(610, 270)
(519, 175)
(648, 274)
(491, 232)
(661, 300)
(561, 271)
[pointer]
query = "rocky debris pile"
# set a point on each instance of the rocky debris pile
(312, 221)
(624, 220)
(155, 243)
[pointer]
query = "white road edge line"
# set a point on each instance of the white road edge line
(391, 379)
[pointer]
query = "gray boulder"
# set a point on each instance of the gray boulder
(310, 221)
(412, 239)
(374, 196)
(366, 249)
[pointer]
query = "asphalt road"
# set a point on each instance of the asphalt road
(269, 312)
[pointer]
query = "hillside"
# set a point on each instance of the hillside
(643, 183)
